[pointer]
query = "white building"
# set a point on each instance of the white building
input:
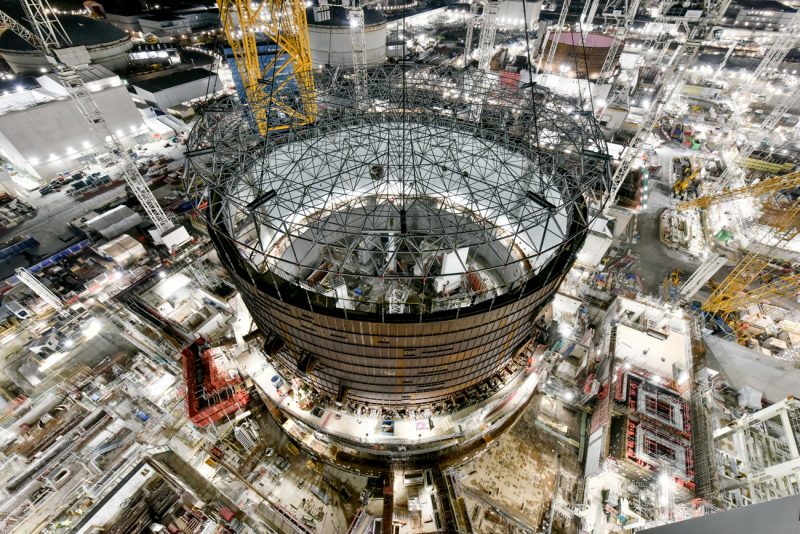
(43, 133)
(165, 26)
(200, 17)
(177, 88)
(767, 14)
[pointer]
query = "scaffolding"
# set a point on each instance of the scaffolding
(758, 455)
(488, 33)
(210, 395)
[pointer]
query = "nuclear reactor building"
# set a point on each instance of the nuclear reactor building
(396, 252)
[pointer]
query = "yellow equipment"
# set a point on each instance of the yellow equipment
(756, 278)
(770, 185)
(683, 183)
(275, 102)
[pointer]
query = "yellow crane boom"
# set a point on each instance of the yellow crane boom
(770, 185)
(277, 103)
(754, 279)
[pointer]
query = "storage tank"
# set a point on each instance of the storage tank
(330, 36)
(511, 13)
(107, 45)
(396, 253)
(578, 54)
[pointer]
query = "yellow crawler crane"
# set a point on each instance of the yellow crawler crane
(757, 278)
(276, 102)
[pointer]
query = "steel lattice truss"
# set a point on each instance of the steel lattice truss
(439, 187)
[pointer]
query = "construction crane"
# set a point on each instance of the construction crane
(657, 41)
(281, 93)
(551, 52)
(623, 18)
(770, 185)
(786, 39)
(51, 39)
(358, 38)
(587, 15)
(754, 140)
(472, 19)
(41, 290)
(683, 183)
(756, 278)
(488, 33)
(672, 76)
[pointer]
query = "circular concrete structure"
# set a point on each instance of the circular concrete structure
(107, 45)
(578, 54)
(396, 253)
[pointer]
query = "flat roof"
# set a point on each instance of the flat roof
(162, 17)
(743, 366)
(766, 5)
(161, 83)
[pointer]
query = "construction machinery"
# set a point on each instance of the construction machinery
(51, 39)
(588, 13)
(551, 52)
(671, 77)
(279, 86)
(783, 44)
(41, 290)
(682, 183)
(754, 140)
(488, 33)
(759, 277)
(770, 185)
(622, 12)
(472, 19)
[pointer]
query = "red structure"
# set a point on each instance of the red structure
(210, 395)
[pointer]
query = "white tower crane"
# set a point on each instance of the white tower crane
(754, 140)
(488, 33)
(473, 18)
(783, 44)
(660, 39)
(358, 36)
(623, 19)
(587, 16)
(41, 290)
(55, 44)
(551, 53)
(672, 76)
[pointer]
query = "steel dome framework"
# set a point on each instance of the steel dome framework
(440, 190)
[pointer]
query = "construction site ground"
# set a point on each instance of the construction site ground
(511, 485)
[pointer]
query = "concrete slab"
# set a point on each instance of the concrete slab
(742, 366)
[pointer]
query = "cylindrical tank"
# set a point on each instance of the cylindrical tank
(331, 38)
(578, 55)
(107, 45)
(512, 13)
(401, 252)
